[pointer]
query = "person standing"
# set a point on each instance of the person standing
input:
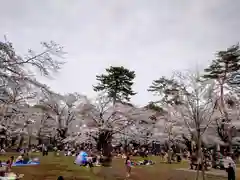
(170, 153)
(231, 172)
(55, 151)
(128, 165)
(44, 150)
(90, 162)
(98, 159)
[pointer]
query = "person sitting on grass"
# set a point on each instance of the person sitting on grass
(26, 158)
(14, 176)
(19, 159)
(5, 171)
(145, 162)
(9, 164)
(22, 159)
(3, 151)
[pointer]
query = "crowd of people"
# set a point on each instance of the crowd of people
(86, 156)
(22, 158)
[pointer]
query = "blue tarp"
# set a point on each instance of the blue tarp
(81, 158)
(21, 164)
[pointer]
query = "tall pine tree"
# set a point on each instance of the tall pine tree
(221, 70)
(117, 83)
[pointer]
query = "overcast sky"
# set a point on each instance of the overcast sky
(152, 37)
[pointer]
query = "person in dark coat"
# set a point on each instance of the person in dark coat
(231, 172)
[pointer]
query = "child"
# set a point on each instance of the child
(128, 165)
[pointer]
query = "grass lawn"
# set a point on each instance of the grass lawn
(51, 167)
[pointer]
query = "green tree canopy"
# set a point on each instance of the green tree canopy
(167, 89)
(117, 83)
(226, 63)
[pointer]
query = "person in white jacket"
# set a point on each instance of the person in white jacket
(228, 160)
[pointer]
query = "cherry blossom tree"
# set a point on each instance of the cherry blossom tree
(112, 120)
(63, 110)
(18, 84)
(192, 104)
(16, 69)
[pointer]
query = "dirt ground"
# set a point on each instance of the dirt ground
(51, 167)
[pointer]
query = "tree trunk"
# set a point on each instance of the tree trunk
(13, 141)
(230, 145)
(39, 139)
(106, 152)
(224, 111)
(198, 157)
(126, 148)
(199, 152)
(104, 145)
(62, 133)
(53, 141)
(21, 142)
(29, 141)
(222, 103)
(203, 165)
(2, 141)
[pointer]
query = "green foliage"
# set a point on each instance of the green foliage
(117, 83)
(153, 106)
(159, 111)
(42, 107)
(226, 63)
(168, 90)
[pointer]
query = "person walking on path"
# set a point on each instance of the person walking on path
(128, 165)
(231, 172)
